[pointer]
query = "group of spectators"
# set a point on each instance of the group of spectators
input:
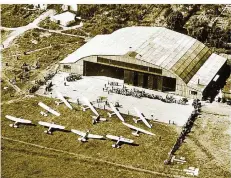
(186, 129)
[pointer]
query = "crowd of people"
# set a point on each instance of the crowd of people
(113, 87)
(186, 129)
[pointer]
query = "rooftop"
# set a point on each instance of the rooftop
(176, 52)
(65, 17)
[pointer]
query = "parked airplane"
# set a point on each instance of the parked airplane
(85, 136)
(192, 171)
(115, 111)
(51, 126)
(97, 119)
(89, 106)
(17, 121)
(142, 117)
(137, 130)
(63, 100)
(120, 140)
(48, 109)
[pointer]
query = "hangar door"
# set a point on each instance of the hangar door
(95, 69)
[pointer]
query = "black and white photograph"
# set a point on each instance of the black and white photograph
(115, 90)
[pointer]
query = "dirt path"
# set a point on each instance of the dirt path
(17, 89)
(79, 156)
(60, 32)
(20, 30)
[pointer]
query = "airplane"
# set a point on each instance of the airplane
(89, 106)
(51, 126)
(48, 109)
(85, 136)
(142, 117)
(97, 119)
(182, 161)
(192, 171)
(120, 140)
(17, 121)
(115, 111)
(63, 100)
(137, 130)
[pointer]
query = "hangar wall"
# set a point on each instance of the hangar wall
(181, 88)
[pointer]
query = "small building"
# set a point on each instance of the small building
(64, 19)
(41, 6)
(70, 7)
(151, 57)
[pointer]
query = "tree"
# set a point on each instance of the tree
(175, 21)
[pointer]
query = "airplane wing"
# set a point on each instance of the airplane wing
(55, 126)
(112, 137)
(116, 112)
(78, 132)
(95, 136)
(87, 102)
(48, 109)
(18, 119)
(138, 129)
(60, 96)
(142, 118)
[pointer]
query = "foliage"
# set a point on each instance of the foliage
(17, 15)
(4, 34)
(75, 32)
(175, 21)
(59, 47)
(48, 24)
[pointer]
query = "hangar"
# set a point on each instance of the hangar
(150, 57)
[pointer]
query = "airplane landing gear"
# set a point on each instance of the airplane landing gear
(48, 132)
(82, 139)
(135, 120)
(13, 125)
(116, 146)
(135, 134)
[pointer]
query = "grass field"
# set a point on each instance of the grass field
(150, 154)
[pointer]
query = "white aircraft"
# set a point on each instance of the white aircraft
(120, 140)
(89, 106)
(51, 126)
(142, 117)
(137, 130)
(192, 171)
(115, 111)
(17, 121)
(63, 100)
(48, 109)
(85, 136)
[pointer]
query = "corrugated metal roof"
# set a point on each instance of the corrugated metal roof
(64, 17)
(207, 72)
(179, 53)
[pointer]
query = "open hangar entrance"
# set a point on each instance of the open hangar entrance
(131, 76)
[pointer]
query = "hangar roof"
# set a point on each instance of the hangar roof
(176, 52)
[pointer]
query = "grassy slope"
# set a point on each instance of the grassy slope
(16, 15)
(4, 34)
(150, 153)
(62, 45)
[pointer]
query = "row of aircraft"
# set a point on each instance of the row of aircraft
(84, 136)
(95, 119)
